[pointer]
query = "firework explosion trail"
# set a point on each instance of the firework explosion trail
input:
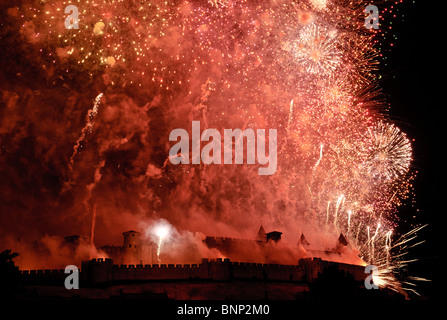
(90, 189)
(86, 129)
(301, 67)
(161, 231)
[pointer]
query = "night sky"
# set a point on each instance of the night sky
(412, 83)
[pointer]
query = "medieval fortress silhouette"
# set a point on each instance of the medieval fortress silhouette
(125, 264)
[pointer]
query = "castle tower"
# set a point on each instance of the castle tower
(303, 241)
(262, 235)
(131, 247)
(73, 242)
(341, 243)
(274, 236)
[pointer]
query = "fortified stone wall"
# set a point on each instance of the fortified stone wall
(103, 271)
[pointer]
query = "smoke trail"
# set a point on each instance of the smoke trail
(92, 233)
(90, 189)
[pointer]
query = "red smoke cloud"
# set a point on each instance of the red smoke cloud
(121, 166)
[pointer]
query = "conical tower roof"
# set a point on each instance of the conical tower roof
(262, 235)
(342, 240)
(303, 241)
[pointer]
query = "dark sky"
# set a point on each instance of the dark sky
(413, 79)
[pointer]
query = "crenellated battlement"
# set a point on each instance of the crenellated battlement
(98, 271)
(219, 240)
(227, 238)
(154, 266)
(44, 277)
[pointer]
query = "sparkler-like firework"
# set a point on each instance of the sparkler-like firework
(161, 232)
(305, 67)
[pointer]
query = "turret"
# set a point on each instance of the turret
(274, 236)
(261, 236)
(341, 243)
(303, 241)
(132, 247)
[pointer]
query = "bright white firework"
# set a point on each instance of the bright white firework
(319, 4)
(162, 231)
(389, 266)
(389, 154)
(316, 49)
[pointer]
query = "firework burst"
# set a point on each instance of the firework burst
(317, 49)
(389, 153)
